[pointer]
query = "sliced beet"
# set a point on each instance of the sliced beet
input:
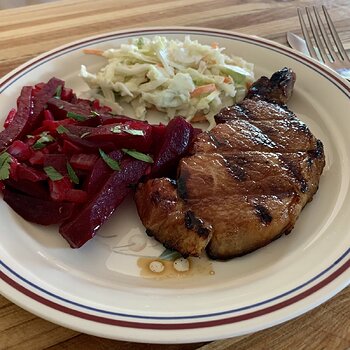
(39, 211)
(20, 124)
(79, 130)
(37, 158)
(67, 94)
(60, 108)
(84, 225)
(10, 117)
(59, 188)
(37, 189)
(48, 115)
(123, 135)
(52, 125)
(25, 172)
(63, 191)
(83, 161)
(20, 150)
(83, 144)
(58, 161)
(177, 139)
(158, 134)
(41, 98)
(100, 173)
(76, 196)
(70, 148)
(108, 118)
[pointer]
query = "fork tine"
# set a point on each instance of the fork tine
(307, 37)
(335, 35)
(318, 41)
(328, 43)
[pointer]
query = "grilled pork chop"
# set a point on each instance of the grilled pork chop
(244, 183)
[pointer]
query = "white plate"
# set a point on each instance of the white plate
(98, 288)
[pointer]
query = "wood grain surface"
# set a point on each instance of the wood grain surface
(28, 31)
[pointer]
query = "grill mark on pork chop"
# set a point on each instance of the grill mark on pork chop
(295, 171)
(236, 170)
(196, 224)
(263, 213)
(318, 152)
(215, 140)
(254, 110)
(256, 135)
(181, 186)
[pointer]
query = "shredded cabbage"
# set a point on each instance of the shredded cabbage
(176, 77)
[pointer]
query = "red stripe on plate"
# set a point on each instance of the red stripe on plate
(175, 326)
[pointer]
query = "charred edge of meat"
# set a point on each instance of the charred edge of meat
(277, 89)
(260, 136)
(156, 197)
(318, 152)
(215, 140)
(237, 111)
(286, 231)
(236, 170)
(263, 213)
(295, 171)
(181, 187)
(149, 232)
(196, 224)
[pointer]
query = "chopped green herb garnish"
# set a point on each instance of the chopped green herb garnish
(52, 173)
(116, 129)
(76, 116)
(138, 155)
(134, 132)
(113, 164)
(85, 134)
(62, 130)
(58, 92)
(94, 113)
(5, 160)
(169, 254)
(45, 138)
(72, 175)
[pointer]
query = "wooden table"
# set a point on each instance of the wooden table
(28, 31)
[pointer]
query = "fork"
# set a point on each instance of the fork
(331, 50)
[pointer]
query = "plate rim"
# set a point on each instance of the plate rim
(323, 70)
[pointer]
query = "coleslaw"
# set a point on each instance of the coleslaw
(175, 77)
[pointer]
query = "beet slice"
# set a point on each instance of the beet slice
(20, 150)
(25, 172)
(41, 98)
(60, 109)
(10, 117)
(38, 189)
(158, 134)
(124, 135)
(83, 161)
(100, 173)
(56, 160)
(84, 225)
(39, 211)
(112, 119)
(29, 111)
(20, 123)
(177, 139)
